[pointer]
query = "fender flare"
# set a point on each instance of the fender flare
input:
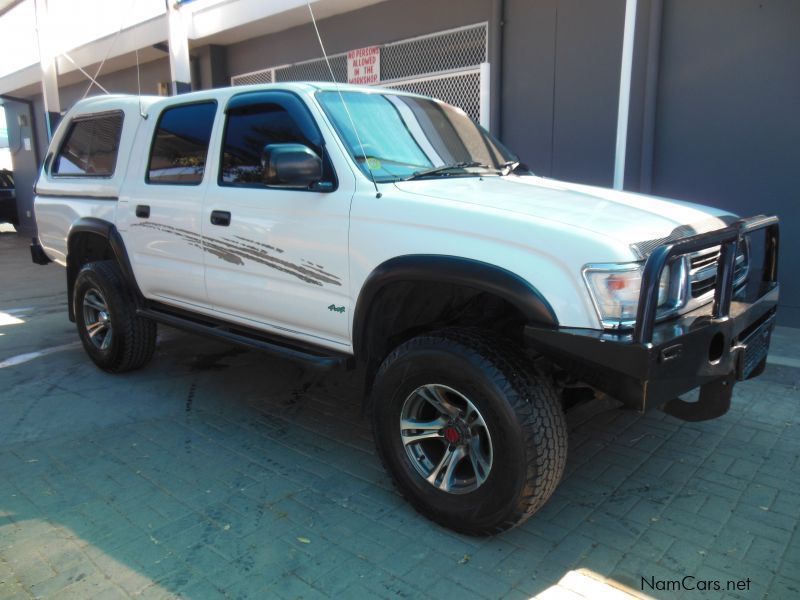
(107, 230)
(481, 276)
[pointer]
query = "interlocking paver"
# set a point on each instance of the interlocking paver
(219, 471)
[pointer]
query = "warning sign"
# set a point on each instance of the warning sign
(364, 65)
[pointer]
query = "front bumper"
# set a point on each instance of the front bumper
(711, 347)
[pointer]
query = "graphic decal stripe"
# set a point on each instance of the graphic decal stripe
(235, 253)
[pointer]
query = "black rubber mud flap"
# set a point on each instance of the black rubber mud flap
(714, 401)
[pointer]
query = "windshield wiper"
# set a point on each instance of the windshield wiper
(446, 168)
(508, 167)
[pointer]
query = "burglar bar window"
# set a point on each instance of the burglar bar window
(90, 147)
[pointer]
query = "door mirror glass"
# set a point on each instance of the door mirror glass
(290, 165)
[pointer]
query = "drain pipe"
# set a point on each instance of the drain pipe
(651, 96)
(626, 70)
(496, 74)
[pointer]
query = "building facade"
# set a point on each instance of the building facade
(714, 97)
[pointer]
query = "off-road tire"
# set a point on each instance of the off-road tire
(520, 406)
(134, 338)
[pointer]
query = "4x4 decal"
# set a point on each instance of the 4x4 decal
(235, 252)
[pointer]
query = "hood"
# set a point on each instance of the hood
(633, 219)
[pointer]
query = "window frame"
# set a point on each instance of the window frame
(147, 180)
(79, 119)
(263, 97)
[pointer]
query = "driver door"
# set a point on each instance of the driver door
(276, 258)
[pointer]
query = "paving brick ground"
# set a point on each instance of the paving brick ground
(217, 472)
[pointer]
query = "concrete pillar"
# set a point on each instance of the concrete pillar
(47, 61)
(212, 67)
(180, 66)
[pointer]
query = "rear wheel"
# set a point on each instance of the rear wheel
(474, 438)
(114, 337)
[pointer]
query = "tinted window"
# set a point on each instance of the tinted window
(90, 147)
(180, 145)
(248, 130)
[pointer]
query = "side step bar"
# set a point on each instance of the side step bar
(249, 338)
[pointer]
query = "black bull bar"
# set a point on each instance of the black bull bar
(710, 347)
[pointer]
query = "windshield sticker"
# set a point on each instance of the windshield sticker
(373, 164)
(237, 252)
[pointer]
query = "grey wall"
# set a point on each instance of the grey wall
(380, 23)
(561, 85)
(211, 64)
(529, 42)
(728, 115)
(122, 82)
(722, 92)
(588, 51)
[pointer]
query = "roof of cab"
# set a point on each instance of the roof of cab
(97, 104)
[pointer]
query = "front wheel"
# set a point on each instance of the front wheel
(473, 437)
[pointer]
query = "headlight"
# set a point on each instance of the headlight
(615, 291)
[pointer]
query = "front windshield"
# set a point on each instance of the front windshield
(404, 136)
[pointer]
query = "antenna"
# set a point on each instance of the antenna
(139, 85)
(138, 76)
(341, 97)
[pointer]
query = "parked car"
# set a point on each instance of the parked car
(8, 198)
(387, 232)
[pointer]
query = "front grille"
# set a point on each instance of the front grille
(703, 270)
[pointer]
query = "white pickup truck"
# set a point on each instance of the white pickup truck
(387, 232)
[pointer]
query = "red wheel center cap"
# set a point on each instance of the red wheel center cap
(451, 435)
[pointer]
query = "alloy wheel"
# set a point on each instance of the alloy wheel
(97, 319)
(446, 439)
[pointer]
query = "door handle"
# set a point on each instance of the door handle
(142, 211)
(220, 217)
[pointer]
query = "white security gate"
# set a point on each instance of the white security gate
(450, 65)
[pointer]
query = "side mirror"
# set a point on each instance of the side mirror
(290, 165)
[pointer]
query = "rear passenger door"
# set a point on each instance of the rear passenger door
(277, 257)
(164, 204)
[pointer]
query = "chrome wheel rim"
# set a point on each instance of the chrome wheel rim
(97, 319)
(446, 439)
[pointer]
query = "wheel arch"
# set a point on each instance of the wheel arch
(436, 270)
(91, 239)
